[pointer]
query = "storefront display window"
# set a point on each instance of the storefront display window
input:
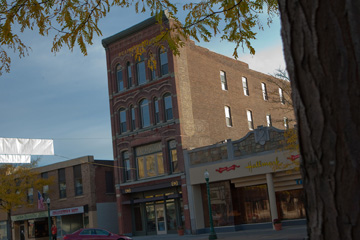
(150, 215)
(3, 232)
(38, 228)
(291, 204)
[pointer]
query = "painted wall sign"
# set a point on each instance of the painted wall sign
(222, 169)
(260, 164)
(67, 211)
(293, 157)
(29, 216)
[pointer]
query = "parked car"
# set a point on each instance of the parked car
(94, 234)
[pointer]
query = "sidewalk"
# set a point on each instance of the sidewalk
(287, 233)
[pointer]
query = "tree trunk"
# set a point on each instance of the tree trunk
(322, 53)
(9, 228)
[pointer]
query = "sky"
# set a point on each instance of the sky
(64, 97)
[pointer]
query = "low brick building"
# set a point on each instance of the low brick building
(188, 101)
(82, 195)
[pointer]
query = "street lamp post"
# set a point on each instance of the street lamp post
(49, 220)
(212, 231)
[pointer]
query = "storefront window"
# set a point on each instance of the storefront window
(291, 204)
(150, 214)
(3, 232)
(171, 215)
(38, 228)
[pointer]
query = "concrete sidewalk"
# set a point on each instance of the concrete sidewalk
(287, 233)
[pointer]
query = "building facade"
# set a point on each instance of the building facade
(82, 195)
(252, 180)
(191, 100)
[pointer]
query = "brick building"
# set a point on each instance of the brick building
(82, 195)
(192, 100)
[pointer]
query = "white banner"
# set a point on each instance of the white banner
(26, 146)
(15, 158)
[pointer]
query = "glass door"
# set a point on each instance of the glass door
(160, 219)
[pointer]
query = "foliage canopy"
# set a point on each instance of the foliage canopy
(74, 22)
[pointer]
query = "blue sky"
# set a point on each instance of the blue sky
(64, 97)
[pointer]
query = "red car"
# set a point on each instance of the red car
(94, 234)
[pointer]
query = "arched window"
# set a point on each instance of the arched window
(156, 111)
(163, 62)
(144, 113)
(168, 107)
(119, 78)
(152, 66)
(129, 78)
(122, 114)
(140, 71)
(132, 113)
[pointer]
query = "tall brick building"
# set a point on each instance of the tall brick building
(195, 99)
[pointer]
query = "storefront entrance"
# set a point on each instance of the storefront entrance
(160, 218)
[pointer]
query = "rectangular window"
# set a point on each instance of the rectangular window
(150, 161)
(129, 79)
(30, 196)
(132, 118)
(45, 191)
(78, 180)
(140, 71)
(286, 123)
(126, 166)
(250, 120)
(281, 95)
(168, 107)
(62, 183)
(268, 120)
(123, 121)
(109, 181)
(164, 62)
(228, 116)
(264, 91)
(120, 81)
(245, 86)
(223, 81)
(173, 156)
(156, 108)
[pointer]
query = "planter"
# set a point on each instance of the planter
(180, 232)
(278, 226)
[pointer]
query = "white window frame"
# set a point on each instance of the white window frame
(286, 123)
(245, 86)
(281, 95)
(250, 119)
(223, 81)
(264, 91)
(228, 116)
(268, 120)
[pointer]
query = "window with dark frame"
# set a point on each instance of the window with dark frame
(119, 79)
(168, 107)
(152, 68)
(62, 183)
(78, 184)
(132, 112)
(30, 196)
(228, 116)
(149, 160)
(173, 156)
(144, 113)
(223, 80)
(126, 166)
(129, 77)
(45, 191)
(109, 182)
(140, 71)
(163, 62)
(156, 111)
(122, 114)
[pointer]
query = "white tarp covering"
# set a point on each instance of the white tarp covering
(26, 146)
(15, 158)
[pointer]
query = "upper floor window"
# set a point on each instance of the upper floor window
(281, 95)
(132, 112)
(250, 119)
(30, 196)
(144, 113)
(268, 120)
(245, 86)
(62, 183)
(264, 91)
(109, 182)
(168, 107)
(45, 191)
(286, 123)
(129, 77)
(152, 66)
(119, 79)
(163, 62)
(156, 111)
(140, 71)
(223, 81)
(149, 160)
(126, 166)
(173, 156)
(78, 184)
(122, 114)
(228, 116)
